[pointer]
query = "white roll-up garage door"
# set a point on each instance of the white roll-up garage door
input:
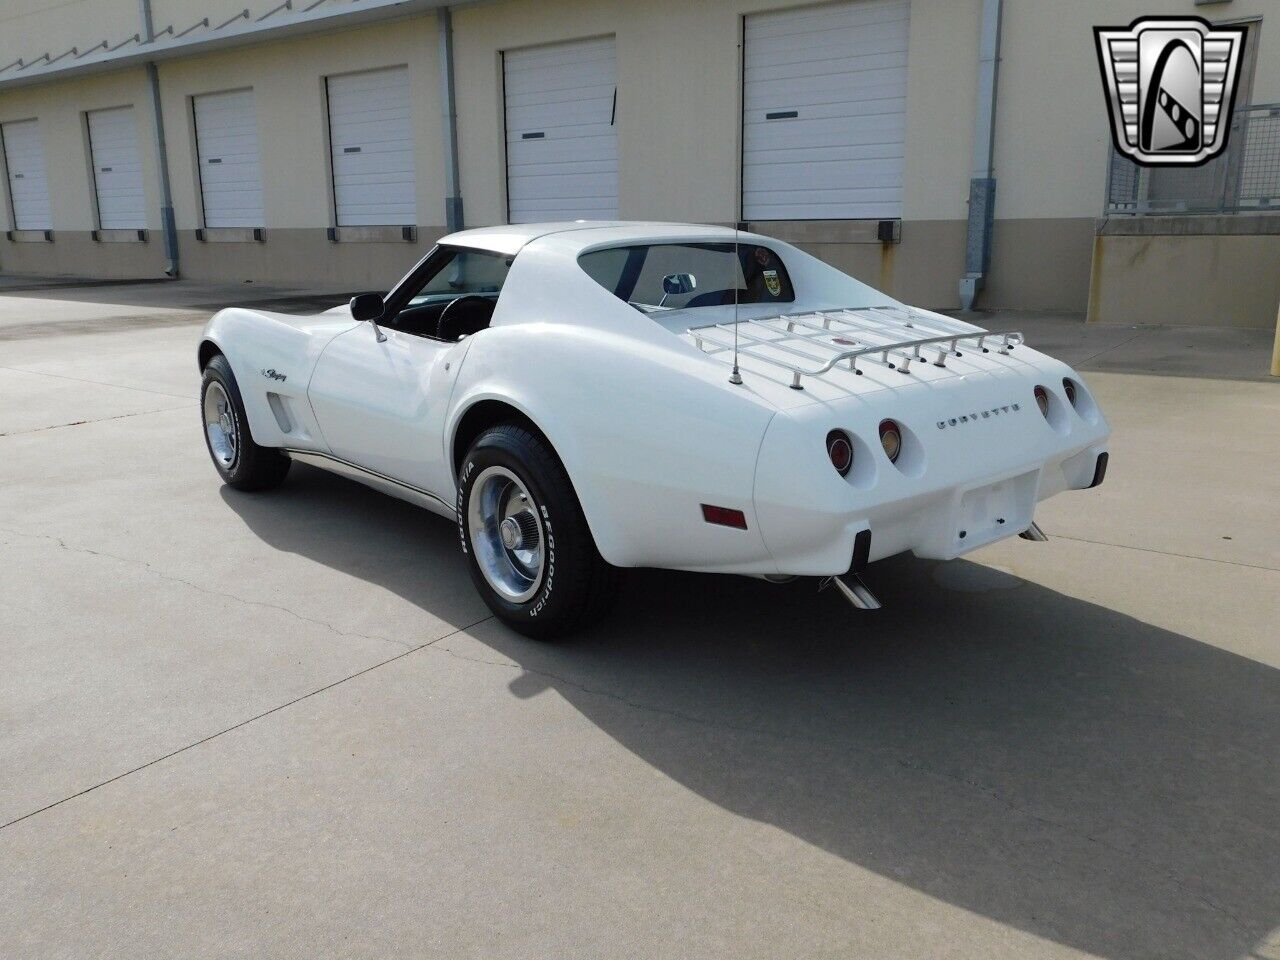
(562, 145)
(372, 143)
(117, 169)
(227, 153)
(28, 180)
(825, 112)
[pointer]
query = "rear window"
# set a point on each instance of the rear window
(673, 276)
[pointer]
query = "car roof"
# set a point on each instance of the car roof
(511, 238)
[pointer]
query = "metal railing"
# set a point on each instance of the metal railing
(810, 343)
(1244, 179)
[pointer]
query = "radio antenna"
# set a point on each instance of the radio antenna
(735, 377)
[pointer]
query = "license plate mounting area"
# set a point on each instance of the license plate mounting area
(995, 510)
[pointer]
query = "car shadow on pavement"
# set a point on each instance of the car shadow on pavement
(1030, 757)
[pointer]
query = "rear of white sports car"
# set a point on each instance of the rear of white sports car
(936, 448)
(882, 428)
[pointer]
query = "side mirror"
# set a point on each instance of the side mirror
(367, 306)
(674, 284)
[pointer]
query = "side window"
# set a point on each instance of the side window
(606, 267)
(466, 272)
(452, 294)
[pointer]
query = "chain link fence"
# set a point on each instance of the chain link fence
(1245, 178)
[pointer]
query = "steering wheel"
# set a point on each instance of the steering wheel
(467, 314)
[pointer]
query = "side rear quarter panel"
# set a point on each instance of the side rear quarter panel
(644, 426)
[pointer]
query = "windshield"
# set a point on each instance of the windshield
(675, 276)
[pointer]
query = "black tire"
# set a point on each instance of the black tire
(249, 466)
(577, 586)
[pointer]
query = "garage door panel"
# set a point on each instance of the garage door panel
(826, 17)
(381, 171)
(382, 83)
(841, 151)
(372, 111)
(591, 208)
(562, 148)
(591, 150)
(855, 25)
(372, 148)
(843, 70)
(573, 122)
(827, 51)
(882, 112)
(600, 91)
(117, 169)
(812, 134)
(834, 88)
(829, 175)
(793, 211)
(588, 101)
(828, 68)
(564, 96)
(869, 204)
(584, 110)
(28, 176)
(552, 75)
(563, 185)
(369, 192)
(373, 152)
(551, 58)
(229, 159)
(545, 85)
(584, 175)
(237, 146)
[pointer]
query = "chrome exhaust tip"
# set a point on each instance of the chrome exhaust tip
(855, 591)
(1034, 533)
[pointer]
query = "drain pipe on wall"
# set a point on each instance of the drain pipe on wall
(453, 191)
(982, 186)
(162, 155)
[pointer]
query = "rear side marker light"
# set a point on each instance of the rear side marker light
(1042, 401)
(840, 450)
(890, 440)
(724, 517)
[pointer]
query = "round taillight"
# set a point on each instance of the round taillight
(840, 450)
(1042, 401)
(890, 439)
(1069, 387)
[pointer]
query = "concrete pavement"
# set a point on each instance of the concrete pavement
(283, 725)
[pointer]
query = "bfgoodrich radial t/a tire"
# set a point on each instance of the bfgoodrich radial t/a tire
(526, 540)
(239, 461)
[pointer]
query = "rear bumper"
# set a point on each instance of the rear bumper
(961, 521)
(826, 537)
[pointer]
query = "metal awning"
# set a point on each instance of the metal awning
(289, 19)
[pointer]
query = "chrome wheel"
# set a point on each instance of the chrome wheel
(220, 425)
(506, 533)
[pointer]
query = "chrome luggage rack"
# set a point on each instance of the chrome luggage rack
(789, 331)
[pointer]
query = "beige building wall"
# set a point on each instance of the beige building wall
(679, 112)
(288, 82)
(679, 107)
(61, 108)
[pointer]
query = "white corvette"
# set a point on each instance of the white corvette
(583, 397)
